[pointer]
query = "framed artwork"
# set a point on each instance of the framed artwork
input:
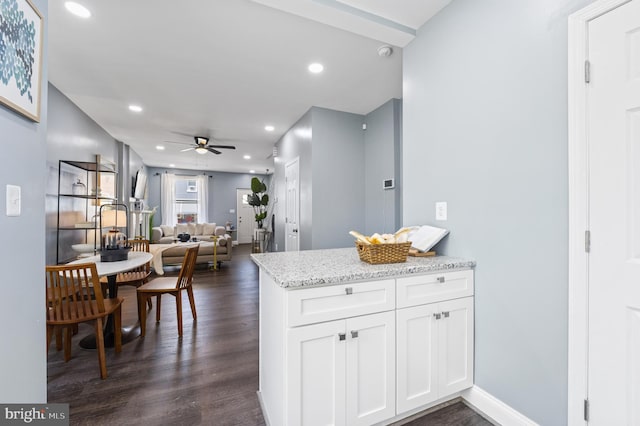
(21, 57)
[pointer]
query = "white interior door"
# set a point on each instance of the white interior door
(292, 200)
(246, 218)
(613, 129)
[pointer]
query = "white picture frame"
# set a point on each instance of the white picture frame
(21, 59)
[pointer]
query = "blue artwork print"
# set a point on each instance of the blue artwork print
(17, 48)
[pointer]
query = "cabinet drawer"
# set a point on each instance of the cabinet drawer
(311, 305)
(421, 289)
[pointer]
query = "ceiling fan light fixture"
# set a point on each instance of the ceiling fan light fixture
(201, 150)
(201, 140)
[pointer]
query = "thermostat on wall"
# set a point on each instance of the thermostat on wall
(387, 184)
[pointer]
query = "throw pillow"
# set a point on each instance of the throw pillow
(182, 228)
(199, 228)
(167, 230)
(208, 228)
(191, 229)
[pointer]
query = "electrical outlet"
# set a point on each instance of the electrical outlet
(441, 210)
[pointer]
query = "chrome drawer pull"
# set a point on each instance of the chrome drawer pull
(437, 316)
(445, 314)
(354, 334)
(440, 279)
(349, 290)
(342, 336)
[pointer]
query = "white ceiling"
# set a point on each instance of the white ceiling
(225, 68)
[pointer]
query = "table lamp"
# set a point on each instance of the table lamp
(113, 242)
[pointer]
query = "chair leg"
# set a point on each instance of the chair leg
(58, 338)
(100, 347)
(179, 311)
(142, 313)
(49, 334)
(158, 304)
(192, 302)
(117, 323)
(68, 332)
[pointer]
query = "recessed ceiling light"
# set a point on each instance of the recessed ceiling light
(135, 108)
(316, 68)
(252, 171)
(160, 147)
(247, 157)
(77, 9)
(172, 165)
(269, 128)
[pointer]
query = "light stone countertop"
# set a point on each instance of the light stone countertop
(337, 266)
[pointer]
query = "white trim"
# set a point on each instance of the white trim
(494, 409)
(579, 205)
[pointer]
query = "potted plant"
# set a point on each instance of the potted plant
(259, 200)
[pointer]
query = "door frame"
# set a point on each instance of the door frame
(578, 174)
(295, 160)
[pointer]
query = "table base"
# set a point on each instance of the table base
(128, 334)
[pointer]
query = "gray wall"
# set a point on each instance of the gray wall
(338, 177)
(485, 129)
(23, 370)
(296, 142)
(382, 155)
(71, 135)
(222, 192)
(338, 162)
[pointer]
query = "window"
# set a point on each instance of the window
(184, 198)
(186, 204)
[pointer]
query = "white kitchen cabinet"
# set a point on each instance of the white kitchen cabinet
(342, 372)
(434, 351)
(367, 349)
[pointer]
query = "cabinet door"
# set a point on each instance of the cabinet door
(371, 378)
(315, 386)
(455, 345)
(417, 356)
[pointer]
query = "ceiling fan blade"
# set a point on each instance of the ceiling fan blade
(222, 146)
(215, 151)
(187, 149)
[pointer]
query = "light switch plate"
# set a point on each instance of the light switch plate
(441, 210)
(13, 200)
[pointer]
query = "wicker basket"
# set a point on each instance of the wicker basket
(383, 253)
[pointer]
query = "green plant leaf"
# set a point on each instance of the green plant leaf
(257, 186)
(265, 199)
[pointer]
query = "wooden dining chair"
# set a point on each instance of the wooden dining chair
(168, 285)
(74, 295)
(138, 276)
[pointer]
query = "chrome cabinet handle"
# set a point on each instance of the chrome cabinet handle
(348, 290)
(445, 314)
(342, 336)
(440, 279)
(354, 334)
(437, 316)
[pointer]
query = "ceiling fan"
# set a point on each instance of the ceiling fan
(202, 146)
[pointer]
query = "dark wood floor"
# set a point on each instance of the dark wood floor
(209, 377)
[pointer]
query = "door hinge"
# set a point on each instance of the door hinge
(587, 71)
(586, 410)
(587, 241)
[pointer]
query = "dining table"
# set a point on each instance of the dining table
(111, 270)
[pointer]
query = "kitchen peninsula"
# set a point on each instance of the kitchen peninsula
(344, 342)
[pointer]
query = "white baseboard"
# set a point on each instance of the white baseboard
(494, 409)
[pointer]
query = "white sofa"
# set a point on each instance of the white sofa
(166, 234)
